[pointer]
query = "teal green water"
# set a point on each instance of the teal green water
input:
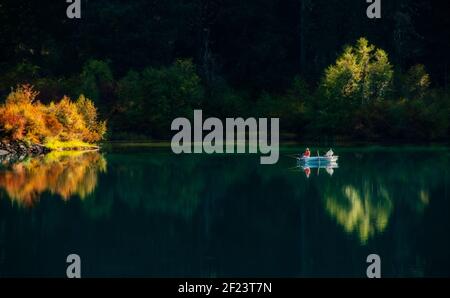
(141, 211)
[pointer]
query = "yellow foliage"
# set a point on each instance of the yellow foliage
(25, 119)
(361, 212)
(361, 72)
(62, 173)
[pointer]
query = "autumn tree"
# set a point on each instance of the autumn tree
(22, 118)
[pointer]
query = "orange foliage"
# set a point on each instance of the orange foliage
(65, 175)
(13, 124)
(22, 118)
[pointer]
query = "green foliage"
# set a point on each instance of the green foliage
(96, 79)
(416, 82)
(360, 75)
(356, 99)
(298, 110)
(292, 107)
(150, 100)
(360, 79)
(223, 101)
(23, 73)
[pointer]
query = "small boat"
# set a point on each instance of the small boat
(318, 159)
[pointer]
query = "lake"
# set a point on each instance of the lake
(141, 211)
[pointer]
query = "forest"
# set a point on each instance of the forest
(325, 69)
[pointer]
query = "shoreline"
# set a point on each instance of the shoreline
(21, 148)
(292, 142)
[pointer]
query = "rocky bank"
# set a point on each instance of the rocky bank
(21, 148)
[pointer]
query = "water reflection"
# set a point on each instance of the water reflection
(152, 183)
(364, 211)
(371, 185)
(157, 214)
(62, 173)
(329, 169)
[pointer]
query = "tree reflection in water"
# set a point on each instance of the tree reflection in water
(364, 211)
(363, 197)
(62, 173)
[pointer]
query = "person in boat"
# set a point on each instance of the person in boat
(330, 153)
(307, 153)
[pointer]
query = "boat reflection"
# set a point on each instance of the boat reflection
(329, 168)
(61, 173)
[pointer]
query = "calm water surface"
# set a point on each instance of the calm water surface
(143, 211)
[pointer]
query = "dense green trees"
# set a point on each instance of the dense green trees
(238, 58)
(250, 43)
(361, 74)
(359, 97)
(96, 80)
(151, 99)
(361, 77)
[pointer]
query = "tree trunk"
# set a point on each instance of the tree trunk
(208, 11)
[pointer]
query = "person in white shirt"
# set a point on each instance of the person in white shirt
(329, 153)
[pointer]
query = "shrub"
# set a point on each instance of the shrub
(416, 82)
(22, 118)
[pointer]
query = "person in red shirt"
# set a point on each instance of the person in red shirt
(307, 153)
